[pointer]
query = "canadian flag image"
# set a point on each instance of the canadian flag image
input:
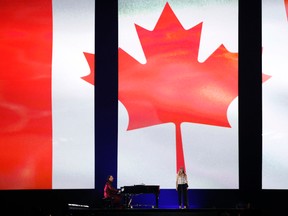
(178, 93)
(180, 68)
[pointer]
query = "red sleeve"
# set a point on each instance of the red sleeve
(109, 190)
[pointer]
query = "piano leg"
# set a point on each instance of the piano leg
(129, 203)
(128, 200)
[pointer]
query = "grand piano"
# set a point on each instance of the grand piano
(130, 191)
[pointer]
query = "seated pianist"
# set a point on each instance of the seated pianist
(112, 193)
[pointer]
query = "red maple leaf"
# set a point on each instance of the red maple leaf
(90, 77)
(173, 86)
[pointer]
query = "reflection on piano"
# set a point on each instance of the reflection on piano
(129, 191)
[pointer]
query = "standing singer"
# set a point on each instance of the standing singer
(182, 188)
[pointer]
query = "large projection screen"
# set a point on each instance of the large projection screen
(46, 94)
(274, 96)
(178, 93)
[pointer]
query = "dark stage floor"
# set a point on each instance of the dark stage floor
(164, 212)
(144, 212)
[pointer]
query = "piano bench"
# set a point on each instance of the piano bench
(107, 203)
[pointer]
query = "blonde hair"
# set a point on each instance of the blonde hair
(181, 171)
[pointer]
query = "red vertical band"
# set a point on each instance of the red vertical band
(25, 94)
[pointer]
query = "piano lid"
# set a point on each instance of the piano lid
(138, 189)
